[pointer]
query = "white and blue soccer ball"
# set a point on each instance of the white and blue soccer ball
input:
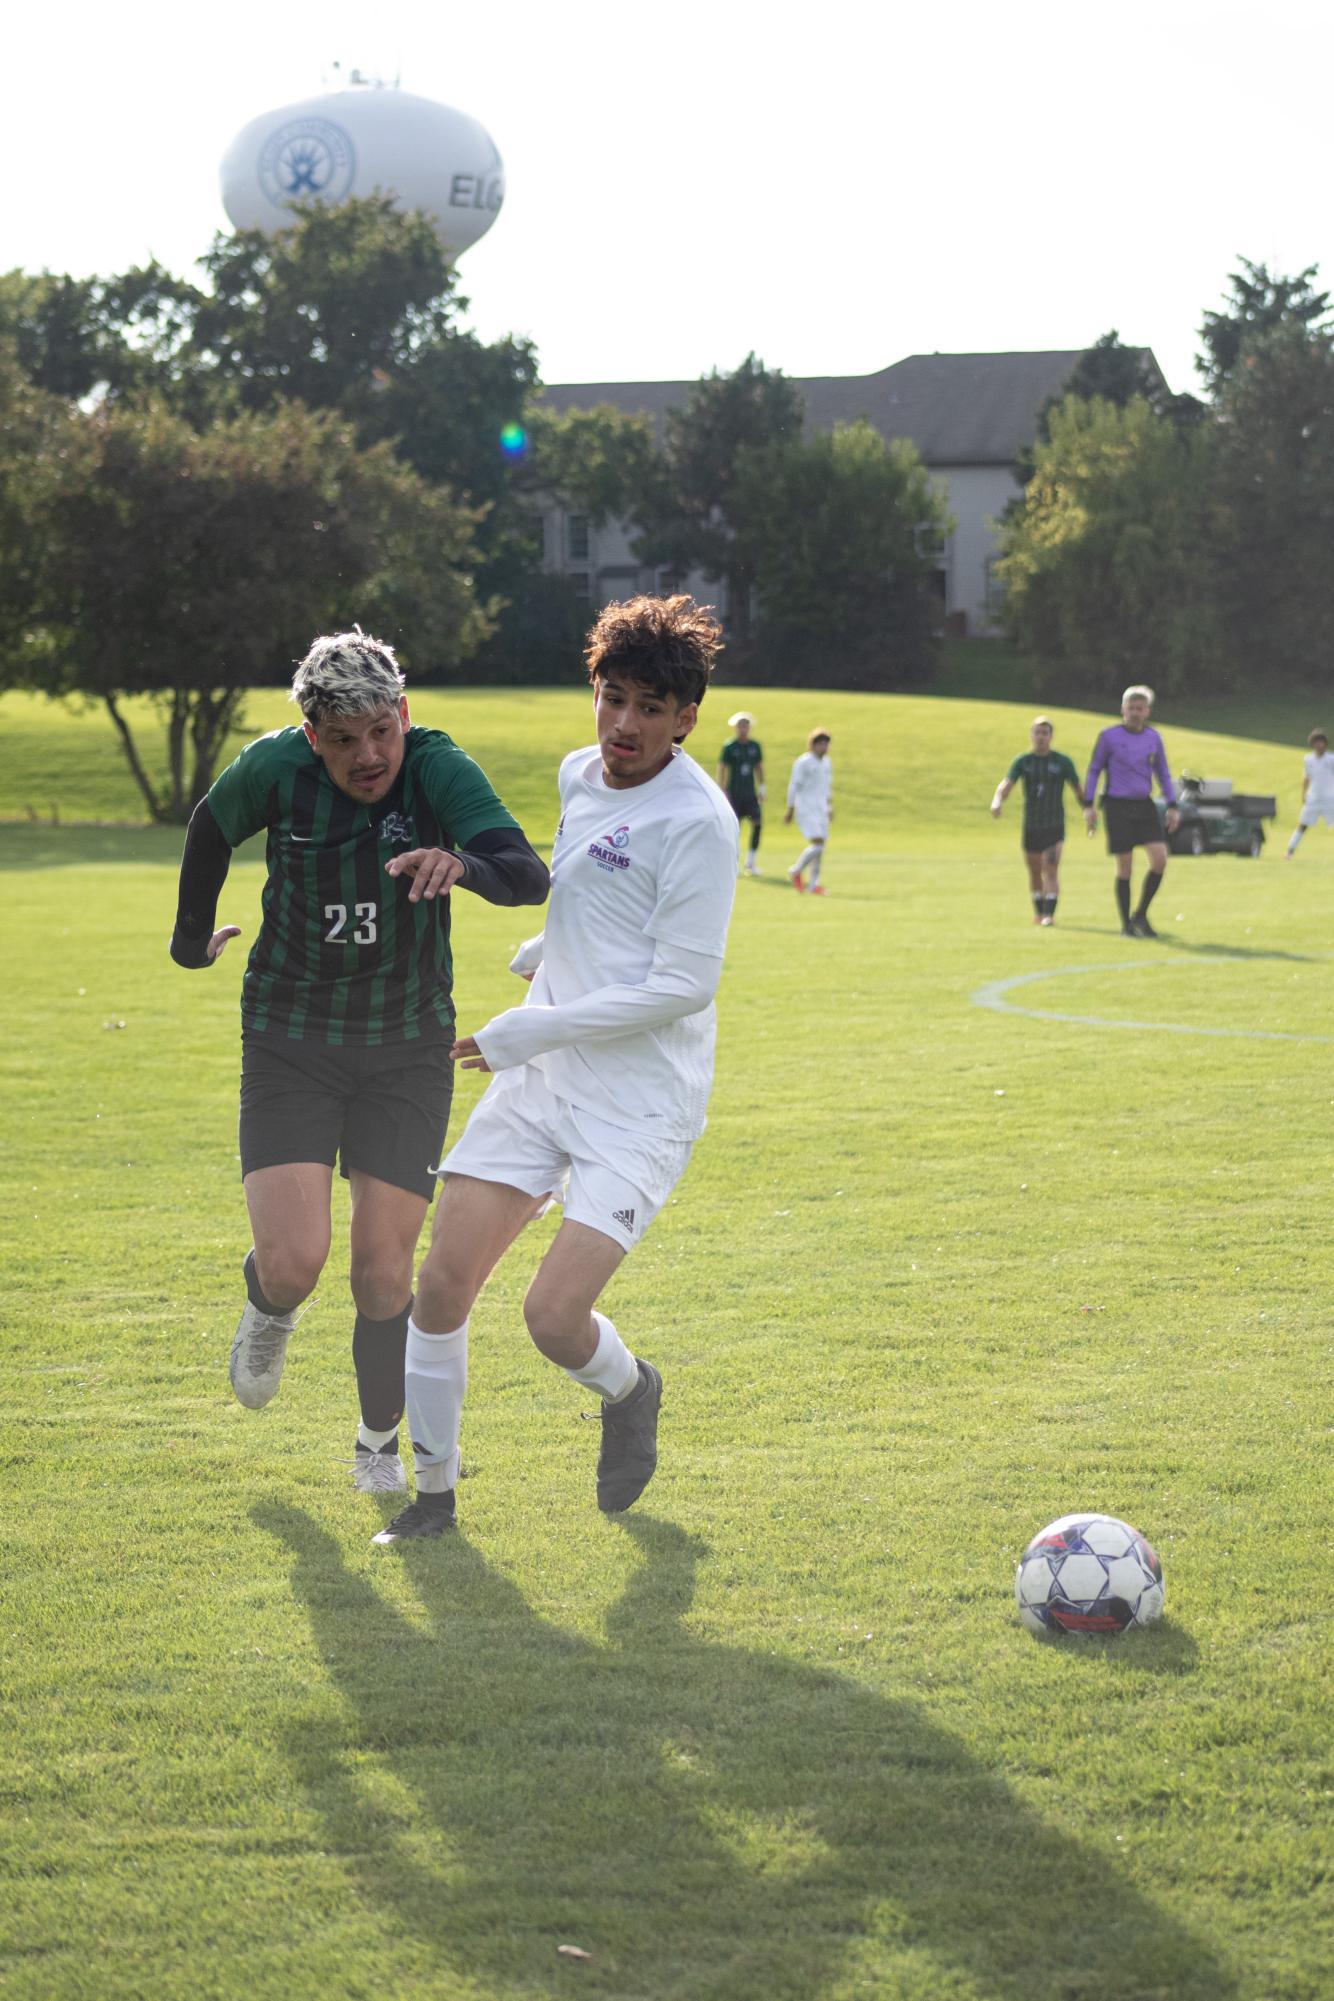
(1088, 1574)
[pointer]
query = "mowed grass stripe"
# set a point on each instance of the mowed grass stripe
(934, 1276)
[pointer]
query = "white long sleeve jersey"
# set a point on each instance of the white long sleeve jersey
(810, 791)
(619, 1017)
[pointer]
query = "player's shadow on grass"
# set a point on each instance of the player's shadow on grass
(1219, 951)
(1203, 947)
(706, 1820)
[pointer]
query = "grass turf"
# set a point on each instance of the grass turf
(936, 1274)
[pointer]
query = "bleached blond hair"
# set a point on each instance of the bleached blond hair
(1146, 694)
(346, 674)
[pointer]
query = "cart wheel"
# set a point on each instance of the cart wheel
(1196, 843)
(1257, 843)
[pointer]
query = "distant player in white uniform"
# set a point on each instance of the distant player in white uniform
(1317, 789)
(604, 1073)
(810, 802)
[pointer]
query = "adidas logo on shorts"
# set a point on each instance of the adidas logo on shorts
(625, 1217)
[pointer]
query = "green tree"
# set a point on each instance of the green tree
(1259, 302)
(1118, 374)
(839, 530)
(1109, 564)
(688, 518)
(188, 566)
(602, 461)
(1274, 487)
(599, 462)
(1115, 372)
(97, 337)
(38, 438)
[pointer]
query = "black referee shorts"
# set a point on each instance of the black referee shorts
(382, 1111)
(1131, 823)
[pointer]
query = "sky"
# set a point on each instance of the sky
(832, 187)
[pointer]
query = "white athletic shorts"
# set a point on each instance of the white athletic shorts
(1317, 809)
(607, 1177)
(814, 826)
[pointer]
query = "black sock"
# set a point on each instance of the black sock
(390, 1446)
(1123, 897)
(755, 837)
(1148, 889)
(1039, 905)
(378, 1350)
(257, 1299)
(1050, 910)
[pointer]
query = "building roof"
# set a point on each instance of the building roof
(958, 409)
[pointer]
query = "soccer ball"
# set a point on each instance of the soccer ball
(1088, 1574)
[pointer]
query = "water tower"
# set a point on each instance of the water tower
(360, 140)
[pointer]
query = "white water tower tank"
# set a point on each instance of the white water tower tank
(360, 142)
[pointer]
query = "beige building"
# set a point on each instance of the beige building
(969, 415)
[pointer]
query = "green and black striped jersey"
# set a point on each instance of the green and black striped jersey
(343, 956)
(1044, 778)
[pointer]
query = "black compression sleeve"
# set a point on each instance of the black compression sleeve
(502, 868)
(204, 866)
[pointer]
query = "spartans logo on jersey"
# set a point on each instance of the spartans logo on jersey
(609, 852)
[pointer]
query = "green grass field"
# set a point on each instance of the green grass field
(936, 1274)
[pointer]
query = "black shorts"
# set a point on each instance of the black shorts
(1037, 840)
(382, 1111)
(745, 809)
(1131, 823)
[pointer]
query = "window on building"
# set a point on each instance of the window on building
(576, 538)
(581, 583)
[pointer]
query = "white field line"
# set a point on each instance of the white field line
(993, 996)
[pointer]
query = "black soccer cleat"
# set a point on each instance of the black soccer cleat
(629, 1454)
(429, 1515)
(1141, 926)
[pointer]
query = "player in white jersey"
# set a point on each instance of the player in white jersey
(810, 802)
(603, 1074)
(1317, 788)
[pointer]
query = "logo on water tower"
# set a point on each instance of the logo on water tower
(309, 159)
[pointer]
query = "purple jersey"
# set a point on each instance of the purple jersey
(1131, 759)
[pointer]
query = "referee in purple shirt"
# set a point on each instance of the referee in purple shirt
(1131, 754)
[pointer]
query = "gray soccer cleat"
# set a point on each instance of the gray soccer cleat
(378, 1472)
(629, 1454)
(258, 1353)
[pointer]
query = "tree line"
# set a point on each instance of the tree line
(1181, 540)
(196, 478)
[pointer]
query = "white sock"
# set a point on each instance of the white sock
(374, 1441)
(436, 1372)
(611, 1369)
(804, 860)
(816, 859)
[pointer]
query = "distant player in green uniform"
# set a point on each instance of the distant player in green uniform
(347, 1016)
(1044, 774)
(741, 776)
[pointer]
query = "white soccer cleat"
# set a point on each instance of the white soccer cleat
(378, 1472)
(258, 1353)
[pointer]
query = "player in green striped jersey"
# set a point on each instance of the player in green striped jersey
(1044, 774)
(347, 1013)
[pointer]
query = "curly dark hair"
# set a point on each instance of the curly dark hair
(668, 645)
